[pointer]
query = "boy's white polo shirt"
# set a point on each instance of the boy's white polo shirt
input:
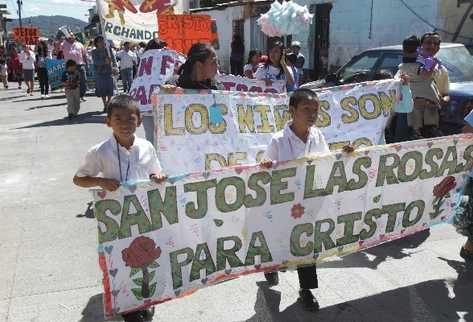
(286, 146)
(103, 159)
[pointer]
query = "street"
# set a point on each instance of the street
(48, 244)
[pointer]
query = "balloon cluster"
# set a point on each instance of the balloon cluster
(287, 18)
(429, 62)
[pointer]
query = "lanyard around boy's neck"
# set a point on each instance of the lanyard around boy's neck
(120, 164)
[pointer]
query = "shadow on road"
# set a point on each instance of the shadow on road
(3, 99)
(93, 312)
(43, 106)
(36, 98)
(89, 212)
(396, 249)
(89, 117)
(436, 300)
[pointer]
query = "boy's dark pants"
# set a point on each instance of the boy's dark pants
(307, 277)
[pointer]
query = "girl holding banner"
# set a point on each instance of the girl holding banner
(299, 138)
(200, 68)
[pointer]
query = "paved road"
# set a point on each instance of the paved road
(48, 259)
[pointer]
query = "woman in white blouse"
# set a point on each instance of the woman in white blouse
(275, 67)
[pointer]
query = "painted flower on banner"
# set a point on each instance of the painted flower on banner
(141, 256)
(155, 5)
(297, 211)
(442, 191)
(119, 6)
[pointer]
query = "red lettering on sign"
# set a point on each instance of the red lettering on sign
(146, 66)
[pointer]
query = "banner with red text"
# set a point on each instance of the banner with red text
(180, 32)
(161, 242)
(243, 84)
(156, 67)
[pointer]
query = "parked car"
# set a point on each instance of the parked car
(455, 57)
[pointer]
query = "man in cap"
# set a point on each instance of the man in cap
(298, 59)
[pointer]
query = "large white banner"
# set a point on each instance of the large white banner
(202, 130)
(134, 20)
(156, 67)
(160, 242)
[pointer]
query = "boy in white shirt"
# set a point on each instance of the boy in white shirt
(127, 59)
(124, 157)
(300, 138)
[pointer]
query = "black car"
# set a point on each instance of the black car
(455, 57)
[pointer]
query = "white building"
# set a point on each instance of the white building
(343, 28)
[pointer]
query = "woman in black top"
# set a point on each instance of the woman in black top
(236, 55)
(200, 68)
(41, 57)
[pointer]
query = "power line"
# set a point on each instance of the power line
(428, 23)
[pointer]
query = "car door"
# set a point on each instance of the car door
(390, 62)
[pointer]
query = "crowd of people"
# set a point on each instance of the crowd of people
(424, 88)
(124, 157)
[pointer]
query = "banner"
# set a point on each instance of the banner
(218, 128)
(182, 31)
(127, 20)
(156, 67)
(160, 242)
(55, 69)
(243, 84)
(26, 35)
(90, 75)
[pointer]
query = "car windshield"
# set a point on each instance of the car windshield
(458, 62)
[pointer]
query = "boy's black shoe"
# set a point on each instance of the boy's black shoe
(467, 255)
(69, 116)
(148, 314)
(134, 317)
(308, 301)
(272, 278)
(430, 131)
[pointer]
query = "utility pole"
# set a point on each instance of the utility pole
(20, 3)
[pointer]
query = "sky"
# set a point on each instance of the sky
(71, 8)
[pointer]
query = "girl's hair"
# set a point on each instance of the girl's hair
(199, 52)
(268, 62)
(274, 44)
(252, 53)
(300, 95)
(70, 63)
(155, 43)
(42, 48)
(97, 39)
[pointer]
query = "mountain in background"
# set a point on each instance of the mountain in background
(49, 25)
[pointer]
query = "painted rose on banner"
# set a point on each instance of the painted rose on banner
(440, 192)
(141, 257)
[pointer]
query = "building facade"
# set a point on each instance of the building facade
(343, 28)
